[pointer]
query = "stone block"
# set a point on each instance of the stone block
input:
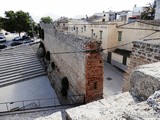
(145, 80)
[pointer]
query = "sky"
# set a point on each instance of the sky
(68, 8)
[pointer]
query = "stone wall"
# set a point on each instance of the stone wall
(79, 67)
(142, 53)
(145, 80)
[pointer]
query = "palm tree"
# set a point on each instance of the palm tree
(149, 12)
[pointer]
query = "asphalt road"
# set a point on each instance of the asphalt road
(113, 80)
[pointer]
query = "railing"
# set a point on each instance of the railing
(41, 103)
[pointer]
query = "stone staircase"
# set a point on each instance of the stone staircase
(19, 64)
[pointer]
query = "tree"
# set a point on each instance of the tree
(46, 20)
(149, 12)
(17, 21)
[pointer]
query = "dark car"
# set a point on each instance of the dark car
(16, 43)
(2, 38)
(24, 37)
(17, 38)
(2, 46)
(28, 41)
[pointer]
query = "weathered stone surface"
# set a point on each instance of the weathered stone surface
(104, 108)
(154, 101)
(145, 80)
(122, 106)
(54, 116)
(143, 53)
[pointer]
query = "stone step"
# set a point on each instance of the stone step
(21, 77)
(20, 72)
(22, 49)
(14, 59)
(20, 68)
(3, 59)
(15, 63)
(17, 53)
(20, 64)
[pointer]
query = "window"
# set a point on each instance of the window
(84, 28)
(119, 35)
(77, 30)
(103, 20)
(63, 24)
(95, 85)
(92, 33)
(100, 34)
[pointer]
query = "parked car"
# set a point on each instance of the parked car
(2, 46)
(17, 38)
(16, 43)
(2, 38)
(28, 41)
(25, 37)
(6, 33)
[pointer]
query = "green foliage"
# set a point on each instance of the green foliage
(29, 32)
(46, 20)
(149, 12)
(17, 21)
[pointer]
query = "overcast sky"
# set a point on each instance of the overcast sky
(68, 8)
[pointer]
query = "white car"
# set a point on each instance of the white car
(2, 38)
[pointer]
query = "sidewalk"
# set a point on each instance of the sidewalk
(113, 79)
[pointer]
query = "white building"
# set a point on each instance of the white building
(157, 13)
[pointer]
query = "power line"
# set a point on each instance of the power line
(85, 51)
(100, 50)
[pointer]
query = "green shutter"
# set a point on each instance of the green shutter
(119, 35)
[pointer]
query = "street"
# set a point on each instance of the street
(112, 80)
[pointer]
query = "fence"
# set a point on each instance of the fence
(40, 103)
